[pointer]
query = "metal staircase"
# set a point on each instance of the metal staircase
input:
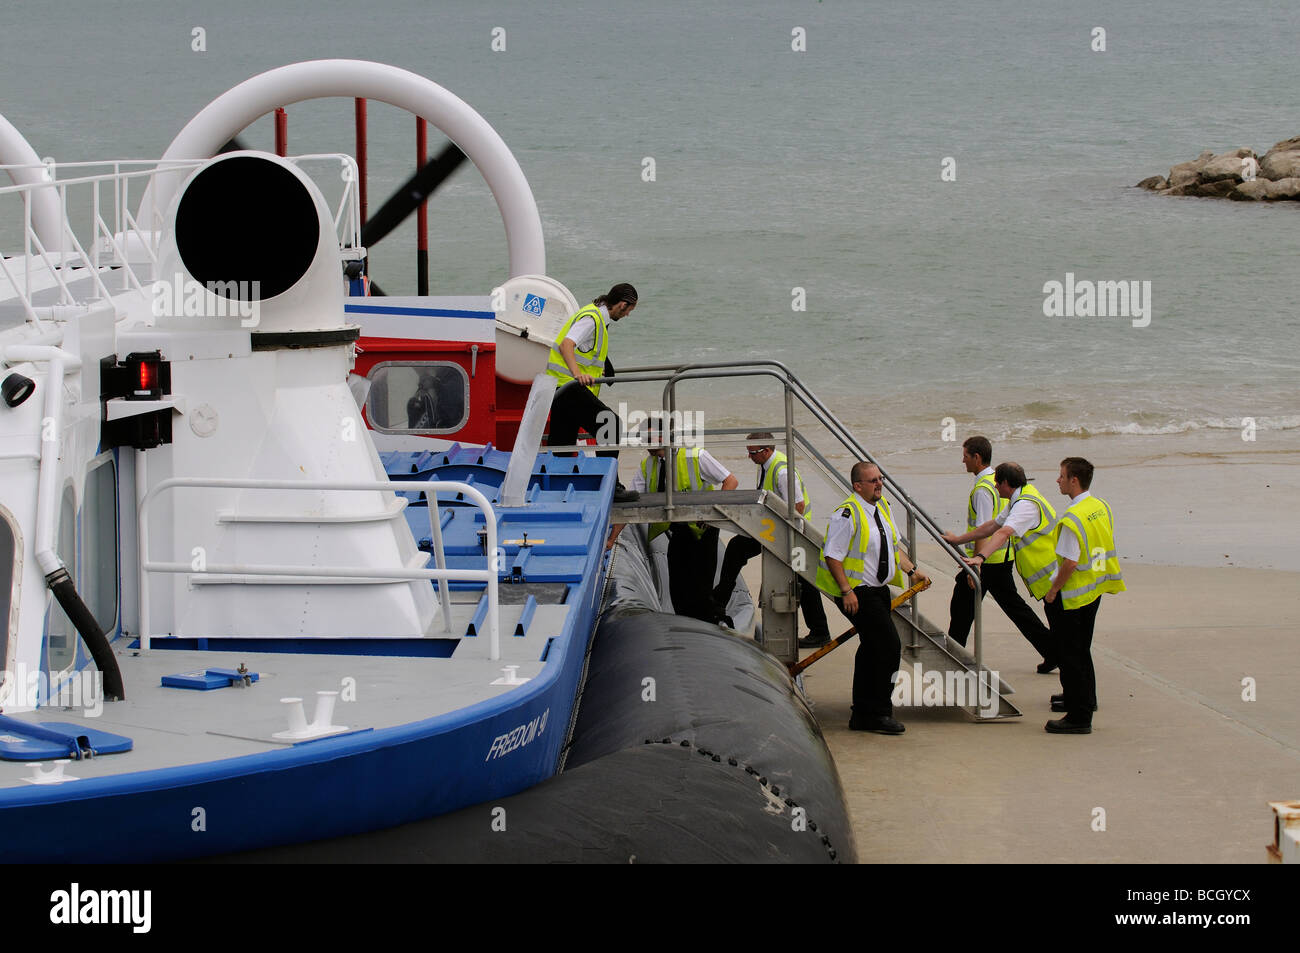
(792, 545)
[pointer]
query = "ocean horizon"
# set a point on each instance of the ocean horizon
(882, 200)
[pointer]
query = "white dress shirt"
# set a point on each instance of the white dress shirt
(583, 332)
(983, 501)
(712, 472)
(1021, 515)
(1067, 544)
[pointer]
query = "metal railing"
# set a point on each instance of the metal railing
(333, 573)
(101, 204)
(794, 389)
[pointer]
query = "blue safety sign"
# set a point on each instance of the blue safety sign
(534, 304)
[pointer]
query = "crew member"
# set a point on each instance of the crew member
(984, 504)
(692, 547)
(1026, 523)
(773, 476)
(1088, 566)
(576, 360)
(858, 562)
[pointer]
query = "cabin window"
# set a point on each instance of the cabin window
(9, 581)
(99, 526)
(62, 636)
(425, 397)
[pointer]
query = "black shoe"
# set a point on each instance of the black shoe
(1058, 703)
(814, 640)
(1044, 668)
(623, 495)
(1064, 726)
(883, 725)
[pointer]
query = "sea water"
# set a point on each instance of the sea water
(880, 195)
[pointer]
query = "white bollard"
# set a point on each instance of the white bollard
(53, 776)
(324, 709)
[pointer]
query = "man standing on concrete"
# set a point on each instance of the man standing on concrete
(859, 561)
(773, 476)
(1088, 566)
(984, 505)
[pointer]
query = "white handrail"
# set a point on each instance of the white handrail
(488, 575)
(239, 107)
(111, 245)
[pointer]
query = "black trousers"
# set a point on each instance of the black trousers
(740, 550)
(1072, 638)
(692, 563)
(879, 652)
(576, 408)
(998, 581)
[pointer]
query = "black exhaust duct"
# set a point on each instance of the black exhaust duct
(247, 228)
(83, 621)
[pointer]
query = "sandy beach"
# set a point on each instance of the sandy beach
(1180, 763)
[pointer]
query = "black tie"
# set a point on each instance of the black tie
(759, 484)
(885, 540)
(662, 477)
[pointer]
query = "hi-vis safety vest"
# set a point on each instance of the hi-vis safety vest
(986, 484)
(589, 362)
(1036, 550)
(775, 480)
(688, 480)
(1091, 522)
(855, 560)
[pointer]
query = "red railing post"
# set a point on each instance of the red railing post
(281, 132)
(361, 156)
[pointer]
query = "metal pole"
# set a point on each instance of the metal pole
(439, 555)
(141, 543)
(789, 453)
(911, 546)
(670, 472)
(421, 213)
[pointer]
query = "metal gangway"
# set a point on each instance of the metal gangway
(792, 545)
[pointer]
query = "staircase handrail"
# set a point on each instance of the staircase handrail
(794, 387)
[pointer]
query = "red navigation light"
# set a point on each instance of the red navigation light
(148, 376)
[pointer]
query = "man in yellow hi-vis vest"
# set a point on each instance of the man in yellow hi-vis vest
(1027, 522)
(986, 503)
(1088, 567)
(692, 547)
(773, 477)
(579, 356)
(859, 560)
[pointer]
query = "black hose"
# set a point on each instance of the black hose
(83, 621)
